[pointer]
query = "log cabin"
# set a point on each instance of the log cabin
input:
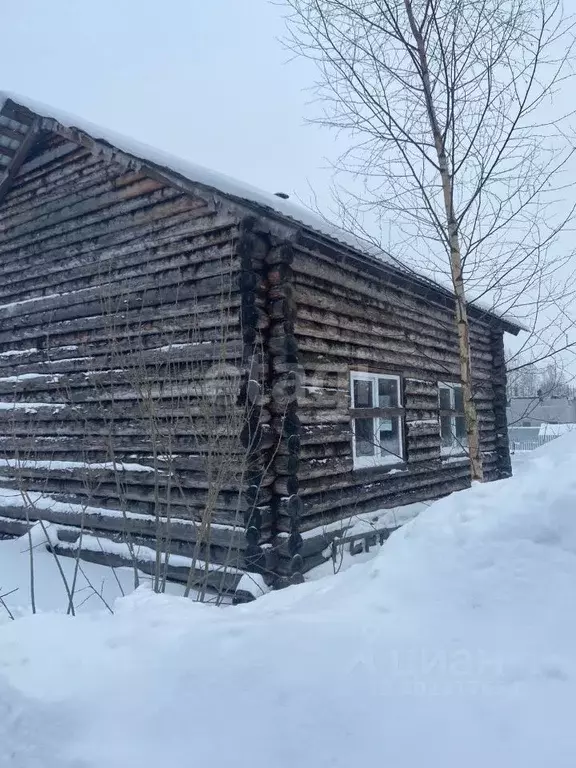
(206, 380)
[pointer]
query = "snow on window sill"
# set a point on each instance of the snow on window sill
(448, 455)
(370, 462)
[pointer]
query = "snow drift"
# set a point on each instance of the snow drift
(455, 646)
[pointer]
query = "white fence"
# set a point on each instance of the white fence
(530, 445)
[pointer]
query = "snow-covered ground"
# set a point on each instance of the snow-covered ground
(455, 646)
(94, 587)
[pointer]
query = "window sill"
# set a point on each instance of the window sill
(450, 457)
(453, 450)
(382, 466)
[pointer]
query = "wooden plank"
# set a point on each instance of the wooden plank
(15, 125)
(10, 133)
(129, 524)
(222, 580)
(17, 159)
(184, 245)
(16, 112)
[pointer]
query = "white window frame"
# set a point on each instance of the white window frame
(384, 459)
(456, 449)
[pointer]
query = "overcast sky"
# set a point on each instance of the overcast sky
(206, 80)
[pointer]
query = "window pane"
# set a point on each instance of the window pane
(460, 428)
(446, 430)
(445, 404)
(389, 438)
(363, 394)
(364, 432)
(458, 400)
(387, 393)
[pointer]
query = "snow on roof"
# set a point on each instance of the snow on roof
(220, 183)
(200, 175)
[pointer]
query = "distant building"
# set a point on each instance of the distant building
(532, 411)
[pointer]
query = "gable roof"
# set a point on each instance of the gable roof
(21, 119)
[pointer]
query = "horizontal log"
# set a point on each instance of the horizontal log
(325, 433)
(159, 205)
(325, 450)
(386, 356)
(318, 260)
(222, 580)
(171, 413)
(172, 364)
(10, 528)
(429, 455)
(316, 307)
(224, 476)
(176, 501)
(317, 496)
(47, 176)
(221, 512)
(211, 243)
(323, 417)
(312, 546)
(395, 335)
(113, 302)
(224, 508)
(89, 205)
(87, 211)
(16, 113)
(164, 229)
(352, 503)
(190, 315)
(325, 467)
(127, 523)
(424, 428)
(356, 288)
(8, 152)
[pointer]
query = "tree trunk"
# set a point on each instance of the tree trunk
(462, 324)
(470, 412)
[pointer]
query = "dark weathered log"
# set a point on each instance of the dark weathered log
(286, 464)
(185, 254)
(17, 157)
(101, 252)
(349, 506)
(13, 527)
(122, 493)
(385, 310)
(130, 523)
(224, 579)
(286, 485)
(94, 476)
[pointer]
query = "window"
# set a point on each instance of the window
(453, 436)
(377, 428)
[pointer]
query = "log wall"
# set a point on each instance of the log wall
(129, 325)
(345, 320)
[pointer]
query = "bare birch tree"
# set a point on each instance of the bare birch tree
(448, 108)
